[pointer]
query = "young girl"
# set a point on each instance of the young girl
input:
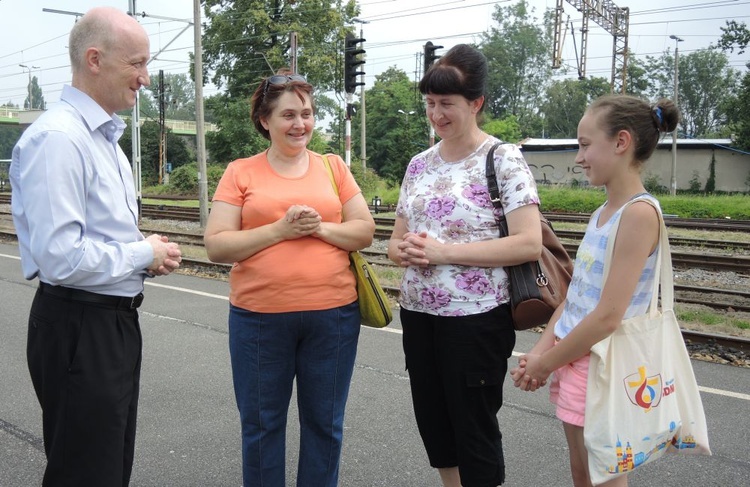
(616, 135)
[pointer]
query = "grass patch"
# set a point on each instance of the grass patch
(180, 203)
(699, 316)
(586, 200)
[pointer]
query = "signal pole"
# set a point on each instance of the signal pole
(429, 60)
(351, 63)
(363, 124)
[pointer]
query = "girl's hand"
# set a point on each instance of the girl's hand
(535, 375)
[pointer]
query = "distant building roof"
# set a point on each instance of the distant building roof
(563, 144)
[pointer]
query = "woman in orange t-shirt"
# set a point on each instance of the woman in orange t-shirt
(293, 300)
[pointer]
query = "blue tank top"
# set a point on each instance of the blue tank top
(587, 282)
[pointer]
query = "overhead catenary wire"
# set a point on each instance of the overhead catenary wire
(431, 9)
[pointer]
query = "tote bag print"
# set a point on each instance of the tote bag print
(645, 393)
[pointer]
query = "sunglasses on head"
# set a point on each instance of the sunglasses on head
(282, 79)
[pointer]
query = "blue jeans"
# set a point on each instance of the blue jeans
(268, 350)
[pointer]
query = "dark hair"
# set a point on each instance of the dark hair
(267, 95)
(460, 71)
(644, 122)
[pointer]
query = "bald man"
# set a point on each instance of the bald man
(75, 213)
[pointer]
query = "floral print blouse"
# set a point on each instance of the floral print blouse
(451, 203)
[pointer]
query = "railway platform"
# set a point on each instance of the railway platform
(188, 431)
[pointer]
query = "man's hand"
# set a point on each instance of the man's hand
(167, 255)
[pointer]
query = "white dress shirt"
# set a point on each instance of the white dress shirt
(74, 204)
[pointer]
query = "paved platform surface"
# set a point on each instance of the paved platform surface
(188, 430)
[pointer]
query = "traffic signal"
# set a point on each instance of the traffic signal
(351, 63)
(429, 54)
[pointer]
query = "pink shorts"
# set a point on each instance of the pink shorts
(567, 390)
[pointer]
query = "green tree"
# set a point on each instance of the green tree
(660, 76)
(518, 52)
(734, 35)
(739, 115)
(179, 92)
(737, 36)
(707, 87)
(177, 150)
(37, 102)
(638, 81)
(506, 129)
(706, 83)
(236, 136)
(246, 40)
(9, 135)
(565, 103)
(396, 124)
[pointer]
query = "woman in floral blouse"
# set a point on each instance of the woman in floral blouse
(458, 333)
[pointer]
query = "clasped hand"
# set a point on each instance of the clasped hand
(418, 249)
(300, 221)
(529, 375)
(167, 255)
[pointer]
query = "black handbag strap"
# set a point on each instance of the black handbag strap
(489, 172)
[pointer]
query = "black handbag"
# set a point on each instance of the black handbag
(536, 288)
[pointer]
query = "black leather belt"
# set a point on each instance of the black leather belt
(105, 300)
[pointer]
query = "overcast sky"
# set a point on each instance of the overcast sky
(395, 33)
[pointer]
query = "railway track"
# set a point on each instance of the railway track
(378, 258)
(193, 214)
(732, 342)
(681, 260)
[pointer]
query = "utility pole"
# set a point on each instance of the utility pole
(200, 131)
(293, 42)
(135, 130)
(162, 127)
(673, 185)
(611, 18)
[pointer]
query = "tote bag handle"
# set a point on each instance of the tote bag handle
(663, 276)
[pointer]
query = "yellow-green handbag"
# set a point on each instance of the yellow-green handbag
(373, 302)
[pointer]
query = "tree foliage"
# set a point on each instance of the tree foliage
(179, 96)
(565, 102)
(177, 150)
(706, 83)
(506, 129)
(396, 124)
(9, 135)
(519, 57)
(37, 102)
(247, 40)
(734, 35)
(738, 36)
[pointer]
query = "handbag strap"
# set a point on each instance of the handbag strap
(663, 276)
(489, 172)
(330, 173)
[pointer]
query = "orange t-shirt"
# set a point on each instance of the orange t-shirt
(293, 275)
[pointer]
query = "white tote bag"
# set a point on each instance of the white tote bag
(642, 398)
